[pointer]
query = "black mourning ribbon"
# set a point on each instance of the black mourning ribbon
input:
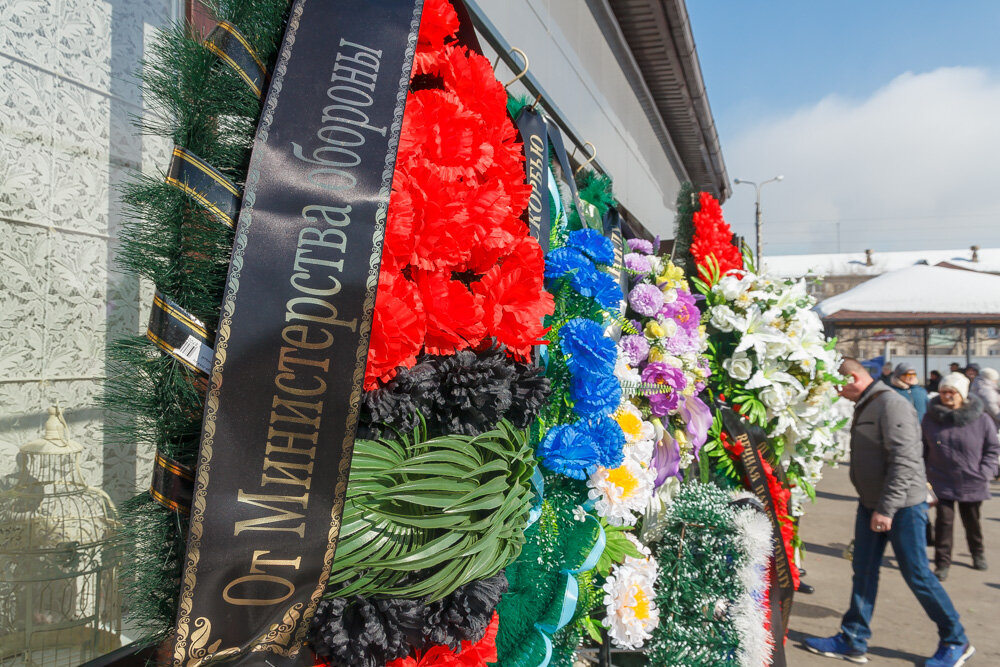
(234, 50)
(205, 184)
(180, 334)
(172, 484)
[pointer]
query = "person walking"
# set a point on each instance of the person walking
(989, 393)
(904, 381)
(888, 474)
(961, 451)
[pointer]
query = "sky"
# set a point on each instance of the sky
(883, 116)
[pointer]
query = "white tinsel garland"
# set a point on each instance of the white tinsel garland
(750, 612)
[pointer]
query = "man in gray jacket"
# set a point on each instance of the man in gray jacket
(887, 470)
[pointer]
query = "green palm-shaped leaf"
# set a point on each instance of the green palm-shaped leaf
(425, 516)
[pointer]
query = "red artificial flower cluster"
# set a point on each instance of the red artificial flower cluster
(780, 496)
(479, 654)
(713, 237)
(458, 265)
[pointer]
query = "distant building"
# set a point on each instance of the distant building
(835, 273)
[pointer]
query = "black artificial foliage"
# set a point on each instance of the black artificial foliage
(369, 632)
(529, 393)
(465, 614)
(365, 632)
(466, 393)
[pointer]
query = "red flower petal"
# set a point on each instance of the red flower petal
(454, 314)
(398, 329)
(438, 22)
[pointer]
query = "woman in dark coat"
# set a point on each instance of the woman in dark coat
(961, 451)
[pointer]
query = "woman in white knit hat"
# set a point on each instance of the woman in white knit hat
(961, 451)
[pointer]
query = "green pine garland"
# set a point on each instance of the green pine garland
(153, 401)
(687, 205)
(698, 556)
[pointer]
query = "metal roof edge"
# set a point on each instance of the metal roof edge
(684, 41)
(608, 23)
(661, 46)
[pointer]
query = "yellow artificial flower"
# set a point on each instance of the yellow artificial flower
(654, 330)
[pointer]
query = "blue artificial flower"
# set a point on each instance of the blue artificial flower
(561, 261)
(588, 350)
(599, 285)
(610, 440)
(593, 244)
(595, 395)
(569, 450)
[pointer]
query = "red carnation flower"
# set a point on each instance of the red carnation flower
(470, 76)
(438, 22)
(713, 237)
(398, 329)
(458, 192)
(454, 314)
(442, 130)
(515, 301)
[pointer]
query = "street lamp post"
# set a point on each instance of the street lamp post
(757, 187)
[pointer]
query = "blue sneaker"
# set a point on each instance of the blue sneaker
(836, 647)
(951, 655)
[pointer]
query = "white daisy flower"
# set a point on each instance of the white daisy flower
(621, 494)
(629, 598)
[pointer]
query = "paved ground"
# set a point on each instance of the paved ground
(903, 635)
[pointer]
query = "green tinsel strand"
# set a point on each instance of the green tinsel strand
(697, 584)
(564, 645)
(556, 542)
(597, 189)
(154, 402)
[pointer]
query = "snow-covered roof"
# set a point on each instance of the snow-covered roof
(924, 290)
(853, 264)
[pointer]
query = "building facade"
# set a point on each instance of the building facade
(68, 94)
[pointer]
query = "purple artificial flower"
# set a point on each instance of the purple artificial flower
(683, 311)
(682, 342)
(638, 263)
(635, 348)
(640, 245)
(646, 299)
(697, 420)
(666, 459)
(670, 379)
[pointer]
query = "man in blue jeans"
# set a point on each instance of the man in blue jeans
(887, 469)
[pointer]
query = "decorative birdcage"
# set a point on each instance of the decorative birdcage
(59, 601)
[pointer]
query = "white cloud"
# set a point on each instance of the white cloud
(915, 166)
